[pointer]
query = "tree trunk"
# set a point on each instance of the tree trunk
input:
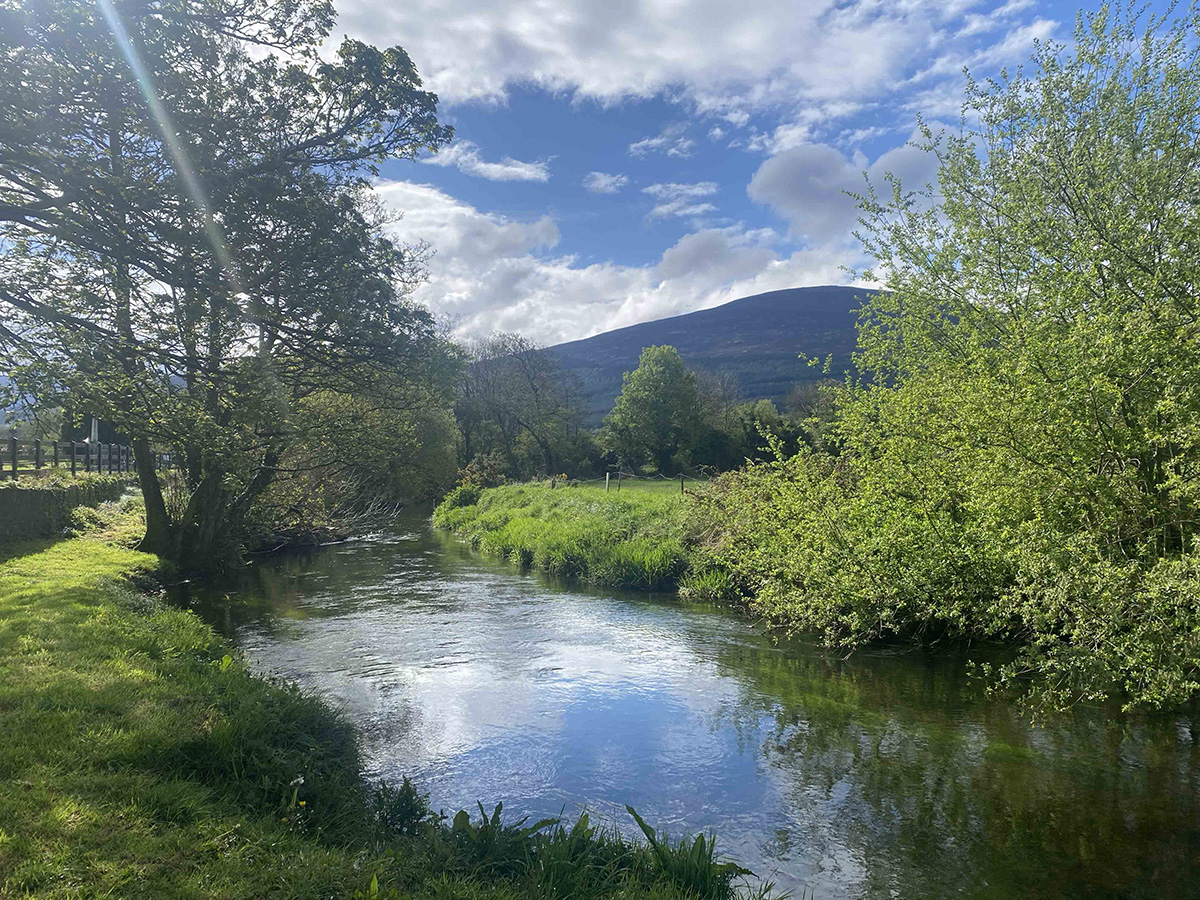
(157, 538)
(198, 539)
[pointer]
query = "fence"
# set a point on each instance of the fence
(34, 458)
(613, 479)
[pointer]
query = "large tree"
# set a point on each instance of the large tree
(191, 249)
(1020, 458)
(657, 415)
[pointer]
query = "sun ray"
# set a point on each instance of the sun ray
(171, 138)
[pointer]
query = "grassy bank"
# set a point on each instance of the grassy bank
(630, 539)
(139, 758)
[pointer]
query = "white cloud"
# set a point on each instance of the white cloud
(673, 141)
(977, 23)
(727, 56)
(808, 185)
(673, 190)
(493, 273)
(681, 199)
(604, 183)
(465, 156)
(1014, 47)
(716, 133)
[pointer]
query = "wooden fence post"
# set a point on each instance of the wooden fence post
(72, 459)
(681, 482)
(606, 476)
(37, 454)
(110, 456)
(12, 452)
(618, 481)
(56, 454)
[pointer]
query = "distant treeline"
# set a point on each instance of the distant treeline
(521, 415)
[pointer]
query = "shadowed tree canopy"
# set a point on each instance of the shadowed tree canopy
(192, 248)
(518, 403)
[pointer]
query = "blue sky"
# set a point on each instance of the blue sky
(622, 160)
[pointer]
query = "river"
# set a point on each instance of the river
(889, 774)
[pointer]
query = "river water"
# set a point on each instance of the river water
(885, 775)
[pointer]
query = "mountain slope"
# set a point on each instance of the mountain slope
(758, 338)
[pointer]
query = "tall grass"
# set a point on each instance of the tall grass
(628, 539)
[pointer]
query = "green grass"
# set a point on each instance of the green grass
(137, 762)
(630, 539)
(140, 759)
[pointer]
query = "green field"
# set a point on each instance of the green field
(631, 539)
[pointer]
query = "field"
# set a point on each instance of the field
(630, 539)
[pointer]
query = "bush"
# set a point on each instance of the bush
(465, 494)
(41, 507)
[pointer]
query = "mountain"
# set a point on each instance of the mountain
(758, 338)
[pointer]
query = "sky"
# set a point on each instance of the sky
(617, 161)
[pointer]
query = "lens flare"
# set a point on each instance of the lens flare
(170, 135)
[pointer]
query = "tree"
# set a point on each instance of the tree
(516, 392)
(1019, 458)
(657, 414)
(192, 248)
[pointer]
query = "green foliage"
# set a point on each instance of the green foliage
(1021, 457)
(707, 584)
(630, 539)
(520, 413)
(463, 495)
(198, 297)
(657, 415)
(120, 522)
(693, 868)
(400, 810)
(45, 506)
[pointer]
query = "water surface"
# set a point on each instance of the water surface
(887, 775)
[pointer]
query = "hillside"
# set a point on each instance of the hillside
(758, 338)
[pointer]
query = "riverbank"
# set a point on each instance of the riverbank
(140, 758)
(628, 539)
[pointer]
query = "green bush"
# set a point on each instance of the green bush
(464, 495)
(1018, 457)
(41, 507)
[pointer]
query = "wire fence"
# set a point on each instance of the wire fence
(613, 480)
